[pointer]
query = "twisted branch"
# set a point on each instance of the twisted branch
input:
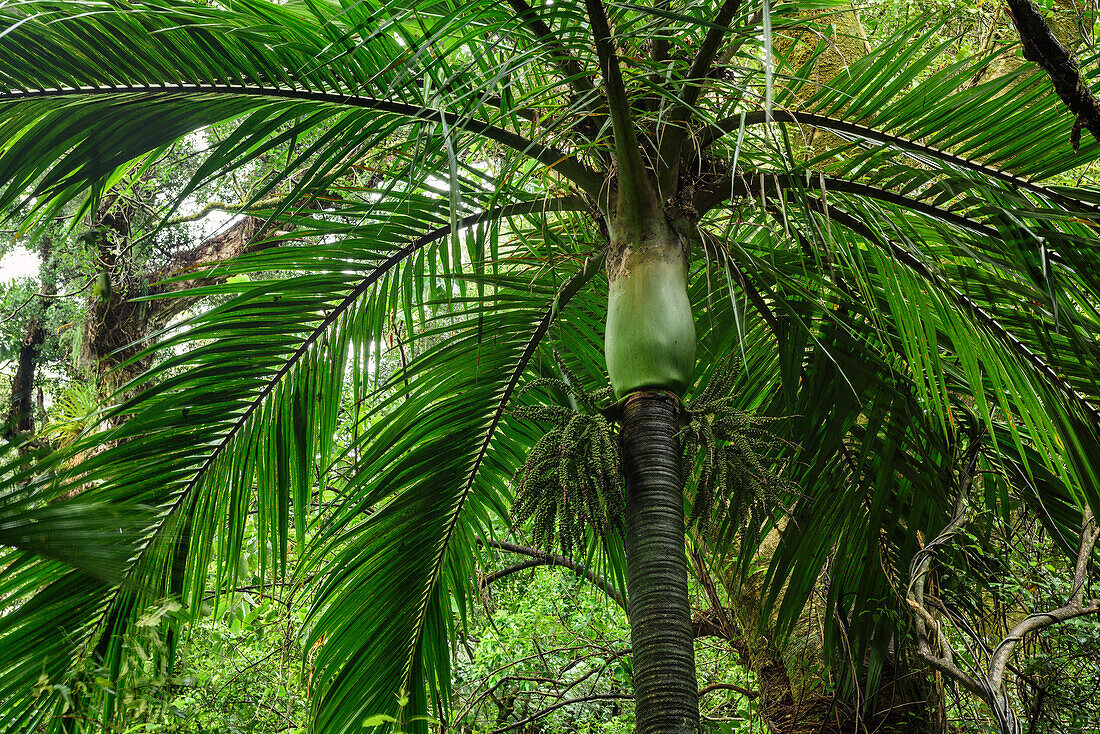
(1041, 46)
(935, 649)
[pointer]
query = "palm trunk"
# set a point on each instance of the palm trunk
(665, 692)
(649, 345)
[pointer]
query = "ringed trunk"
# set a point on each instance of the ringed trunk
(665, 689)
(650, 350)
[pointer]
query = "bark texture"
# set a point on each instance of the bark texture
(117, 327)
(661, 633)
(20, 418)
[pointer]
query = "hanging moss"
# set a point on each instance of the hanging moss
(571, 482)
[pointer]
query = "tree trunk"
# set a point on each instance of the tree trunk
(665, 688)
(20, 417)
(118, 326)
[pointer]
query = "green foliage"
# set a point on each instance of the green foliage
(242, 671)
(17, 298)
(537, 636)
(545, 636)
(101, 288)
(73, 411)
(993, 574)
(929, 267)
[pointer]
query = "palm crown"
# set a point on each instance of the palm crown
(918, 283)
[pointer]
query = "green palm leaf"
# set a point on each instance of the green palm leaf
(453, 164)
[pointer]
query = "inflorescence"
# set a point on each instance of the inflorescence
(571, 481)
(723, 449)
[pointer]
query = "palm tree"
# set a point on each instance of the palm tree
(470, 169)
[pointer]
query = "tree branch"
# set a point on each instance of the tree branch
(989, 684)
(728, 687)
(1044, 49)
(1075, 606)
(544, 558)
(223, 206)
(568, 702)
(202, 261)
(516, 568)
(919, 566)
(615, 697)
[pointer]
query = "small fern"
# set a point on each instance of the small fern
(571, 481)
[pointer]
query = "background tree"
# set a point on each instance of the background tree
(110, 263)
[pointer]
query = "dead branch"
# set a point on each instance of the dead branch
(932, 644)
(1041, 46)
(544, 558)
(728, 687)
